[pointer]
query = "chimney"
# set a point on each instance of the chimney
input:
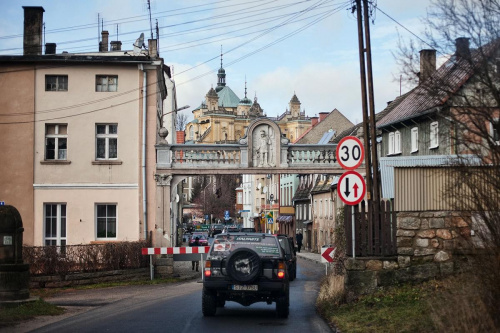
(50, 48)
(427, 64)
(33, 23)
(322, 116)
(314, 121)
(103, 45)
(116, 45)
(180, 137)
(153, 49)
(462, 47)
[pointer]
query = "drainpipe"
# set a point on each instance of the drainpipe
(143, 159)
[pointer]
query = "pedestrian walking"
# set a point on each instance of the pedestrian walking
(298, 238)
(195, 262)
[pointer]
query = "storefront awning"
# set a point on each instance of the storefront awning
(285, 219)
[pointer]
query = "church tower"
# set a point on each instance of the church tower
(294, 106)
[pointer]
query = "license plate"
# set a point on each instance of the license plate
(251, 287)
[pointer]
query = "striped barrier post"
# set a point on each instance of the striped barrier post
(173, 250)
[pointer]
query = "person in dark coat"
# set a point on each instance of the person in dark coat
(195, 262)
(298, 238)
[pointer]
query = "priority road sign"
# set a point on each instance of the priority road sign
(351, 188)
(350, 153)
(327, 254)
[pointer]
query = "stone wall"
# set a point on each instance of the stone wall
(427, 245)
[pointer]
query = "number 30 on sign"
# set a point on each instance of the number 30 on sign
(350, 153)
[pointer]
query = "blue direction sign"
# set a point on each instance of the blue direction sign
(226, 215)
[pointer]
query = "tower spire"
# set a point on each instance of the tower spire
(221, 75)
(245, 86)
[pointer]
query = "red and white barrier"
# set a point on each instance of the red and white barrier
(175, 250)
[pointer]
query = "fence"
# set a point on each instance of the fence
(369, 237)
(61, 260)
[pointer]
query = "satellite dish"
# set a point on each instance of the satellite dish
(139, 43)
(176, 198)
(264, 190)
(259, 185)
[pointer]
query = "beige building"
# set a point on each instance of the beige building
(81, 167)
(223, 117)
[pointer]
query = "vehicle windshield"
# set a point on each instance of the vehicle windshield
(285, 244)
(265, 246)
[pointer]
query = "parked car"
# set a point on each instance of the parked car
(216, 229)
(230, 229)
(203, 240)
(245, 269)
(290, 254)
(248, 230)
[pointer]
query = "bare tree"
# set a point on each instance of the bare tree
(468, 88)
(215, 196)
(181, 120)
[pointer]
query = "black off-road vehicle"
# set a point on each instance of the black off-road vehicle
(245, 268)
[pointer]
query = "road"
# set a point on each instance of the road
(177, 308)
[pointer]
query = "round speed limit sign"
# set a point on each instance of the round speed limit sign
(350, 153)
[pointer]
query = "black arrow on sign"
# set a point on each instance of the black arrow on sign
(346, 192)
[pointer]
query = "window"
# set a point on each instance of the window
(397, 142)
(55, 224)
(390, 148)
(495, 130)
(106, 83)
(106, 141)
(434, 135)
(414, 139)
(56, 83)
(191, 133)
(56, 141)
(106, 221)
(239, 199)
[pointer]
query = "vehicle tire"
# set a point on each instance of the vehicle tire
(208, 304)
(243, 265)
(221, 302)
(282, 307)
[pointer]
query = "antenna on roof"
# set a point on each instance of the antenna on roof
(150, 23)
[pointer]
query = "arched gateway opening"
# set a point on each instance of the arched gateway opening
(262, 151)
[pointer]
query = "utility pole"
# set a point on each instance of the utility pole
(369, 123)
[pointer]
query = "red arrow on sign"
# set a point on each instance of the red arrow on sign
(326, 254)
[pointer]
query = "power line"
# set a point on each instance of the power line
(323, 16)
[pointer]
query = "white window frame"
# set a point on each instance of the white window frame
(106, 136)
(239, 198)
(390, 148)
(414, 139)
(320, 208)
(397, 142)
(55, 237)
(434, 135)
(60, 154)
(495, 133)
(108, 219)
(60, 83)
(106, 83)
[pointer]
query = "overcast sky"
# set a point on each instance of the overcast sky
(280, 47)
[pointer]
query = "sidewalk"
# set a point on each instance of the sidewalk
(305, 254)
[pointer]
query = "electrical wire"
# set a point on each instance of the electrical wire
(233, 62)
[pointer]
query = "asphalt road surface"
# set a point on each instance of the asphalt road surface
(177, 308)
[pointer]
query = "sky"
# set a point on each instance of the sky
(279, 48)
